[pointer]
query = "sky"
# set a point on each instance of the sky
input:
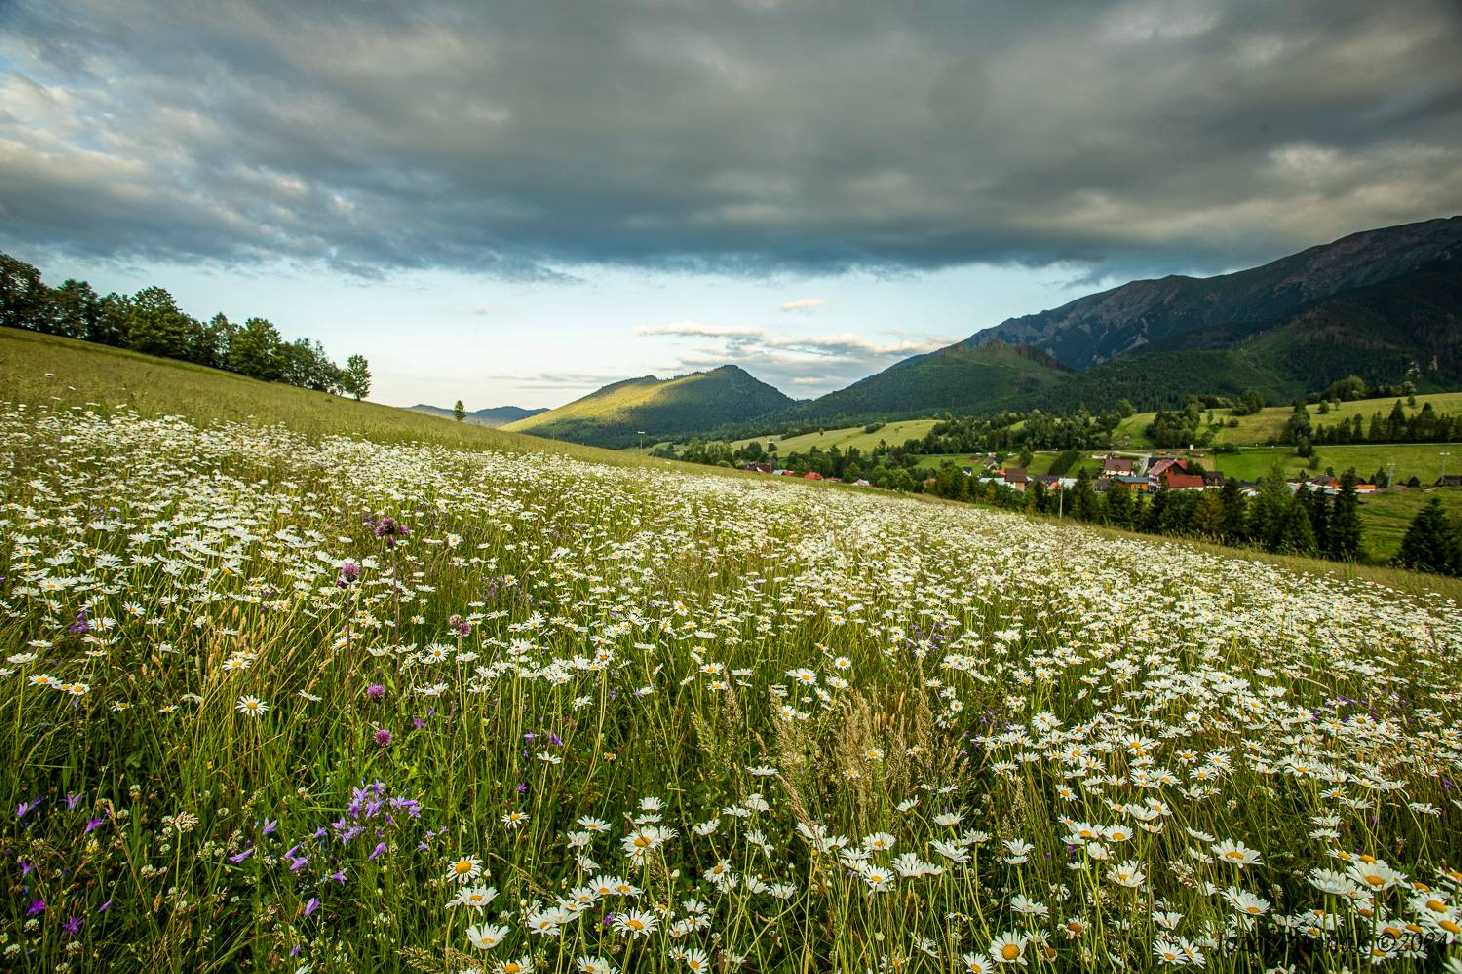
(517, 202)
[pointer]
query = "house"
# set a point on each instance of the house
(1014, 477)
(758, 467)
(1133, 482)
(1050, 482)
(860, 482)
(1450, 480)
(1116, 466)
(1174, 479)
(1212, 478)
(1162, 465)
(812, 475)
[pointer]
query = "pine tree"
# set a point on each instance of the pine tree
(1343, 543)
(1297, 535)
(1430, 544)
(1234, 506)
(1268, 513)
(458, 412)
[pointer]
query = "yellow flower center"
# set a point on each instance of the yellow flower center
(1009, 951)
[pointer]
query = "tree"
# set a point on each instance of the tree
(1208, 516)
(357, 378)
(1297, 427)
(1344, 540)
(75, 307)
(1234, 530)
(1125, 408)
(1297, 533)
(213, 342)
(1085, 505)
(25, 302)
(157, 326)
(1269, 510)
(255, 352)
(1430, 544)
(458, 413)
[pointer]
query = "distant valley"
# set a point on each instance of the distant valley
(1383, 304)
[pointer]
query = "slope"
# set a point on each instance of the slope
(1100, 327)
(616, 415)
(959, 378)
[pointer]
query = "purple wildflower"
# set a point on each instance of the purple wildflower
(312, 906)
(376, 691)
(383, 737)
(377, 852)
(349, 573)
(36, 908)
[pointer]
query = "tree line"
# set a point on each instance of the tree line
(1277, 519)
(151, 322)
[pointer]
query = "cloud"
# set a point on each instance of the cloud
(804, 304)
(510, 140)
(812, 363)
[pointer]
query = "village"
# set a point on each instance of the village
(1142, 472)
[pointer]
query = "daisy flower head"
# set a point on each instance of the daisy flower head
(487, 936)
(1009, 948)
(251, 706)
(464, 869)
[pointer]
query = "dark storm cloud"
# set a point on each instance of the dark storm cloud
(522, 139)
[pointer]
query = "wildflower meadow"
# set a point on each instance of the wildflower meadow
(272, 702)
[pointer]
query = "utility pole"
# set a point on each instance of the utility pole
(642, 438)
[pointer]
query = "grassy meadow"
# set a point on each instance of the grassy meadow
(847, 438)
(293, 686)
(1267, 425)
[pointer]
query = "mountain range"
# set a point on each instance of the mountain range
(1384, 304)
(495, 416)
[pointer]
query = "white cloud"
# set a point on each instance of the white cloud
(804, 304)
(813, 364)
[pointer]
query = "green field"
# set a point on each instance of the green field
(1267, 425)
(848, 437)
(1386, 516)
(1423, 460)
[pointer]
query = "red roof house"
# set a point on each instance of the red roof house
(1173, 480)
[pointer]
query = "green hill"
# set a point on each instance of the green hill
(959, 378)
(44, 368)
(623, 413)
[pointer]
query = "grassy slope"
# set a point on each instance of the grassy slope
(848, 437)
(40, 368)
(1267, 424)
